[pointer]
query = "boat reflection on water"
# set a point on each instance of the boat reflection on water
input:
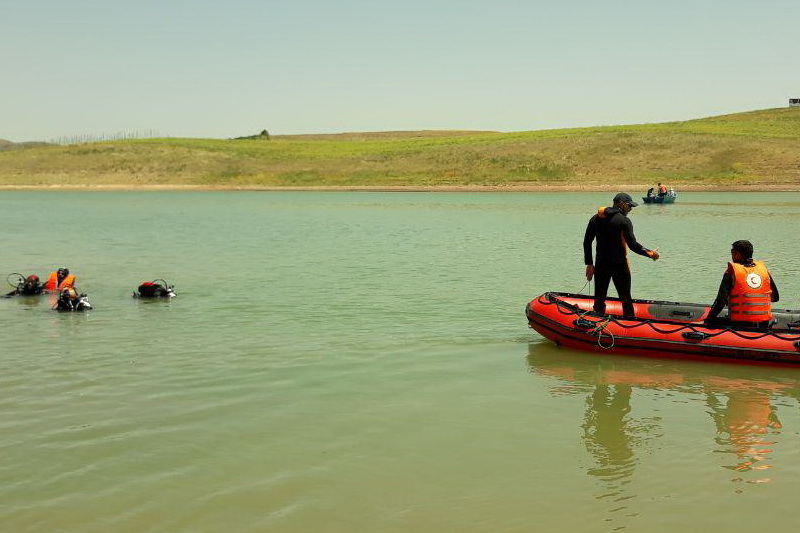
(745, 418)
(608, 431)
(741, 402)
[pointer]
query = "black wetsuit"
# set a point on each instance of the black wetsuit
(724, 296)
(614, 232)
(66, 303)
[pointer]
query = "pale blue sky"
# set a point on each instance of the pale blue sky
(205, 68)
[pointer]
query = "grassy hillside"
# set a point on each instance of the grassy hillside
(8, 145)
(739, 150)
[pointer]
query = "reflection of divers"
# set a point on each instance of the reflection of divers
(740, 404)
(158, 288)
(24, 285)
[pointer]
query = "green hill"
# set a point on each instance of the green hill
(742, 150)
(8, 145)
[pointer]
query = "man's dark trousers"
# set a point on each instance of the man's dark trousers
(622, 282)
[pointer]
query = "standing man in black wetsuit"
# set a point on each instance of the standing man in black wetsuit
(614, 233)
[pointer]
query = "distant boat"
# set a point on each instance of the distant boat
(668, 198)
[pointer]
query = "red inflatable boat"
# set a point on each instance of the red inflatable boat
(662, 329)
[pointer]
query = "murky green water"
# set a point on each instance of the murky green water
(361, 362)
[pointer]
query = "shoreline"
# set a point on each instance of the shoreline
(761, 187)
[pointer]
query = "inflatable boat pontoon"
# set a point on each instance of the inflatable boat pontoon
(662, 329)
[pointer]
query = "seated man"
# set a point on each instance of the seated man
(30, 286)
(59, 280)
(747, 288)
(662, 190)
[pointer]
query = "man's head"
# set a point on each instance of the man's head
(62, 273)
(624, 202)
(32, 281)
(741, 251)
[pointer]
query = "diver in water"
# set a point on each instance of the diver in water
(70, 300)
(29, 286)
(59, 280)
(154, 289)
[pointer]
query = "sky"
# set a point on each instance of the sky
(220, 69)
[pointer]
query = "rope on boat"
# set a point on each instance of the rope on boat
(599, 329)
(575, 310)
(588, 281)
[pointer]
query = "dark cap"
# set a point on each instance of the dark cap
(743, 247)
(624, 198)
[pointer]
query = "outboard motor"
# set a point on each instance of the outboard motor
(158, 288)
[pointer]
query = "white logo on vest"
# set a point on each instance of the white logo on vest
(754, 280)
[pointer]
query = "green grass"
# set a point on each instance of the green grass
(759, 147)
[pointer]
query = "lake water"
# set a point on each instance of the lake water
(347, 362)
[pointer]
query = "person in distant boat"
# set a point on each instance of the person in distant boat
(614, 233)
(30, 286)
(747, 288)
(59, 280)
(662, 189)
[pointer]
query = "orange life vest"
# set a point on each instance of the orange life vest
(662, 190)
(52, 282)
(750, 297)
